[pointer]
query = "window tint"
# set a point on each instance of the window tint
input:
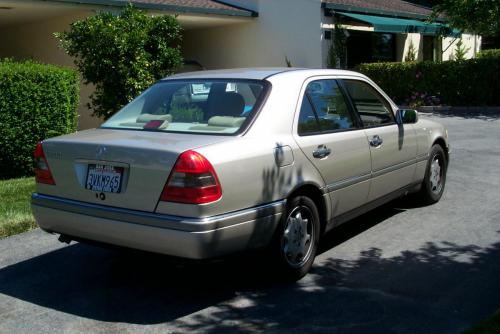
(308, 123)
(372, 108)
(324, 109)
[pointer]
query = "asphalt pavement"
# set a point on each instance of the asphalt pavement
(399, 269)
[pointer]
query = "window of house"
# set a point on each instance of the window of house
(370, 47)
(372, 108)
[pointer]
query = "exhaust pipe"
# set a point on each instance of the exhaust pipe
(65, 239)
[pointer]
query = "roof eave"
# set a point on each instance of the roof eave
(164, 7)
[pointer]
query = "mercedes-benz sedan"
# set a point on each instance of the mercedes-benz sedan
(208, 163)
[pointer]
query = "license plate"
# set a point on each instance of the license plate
(104, 178)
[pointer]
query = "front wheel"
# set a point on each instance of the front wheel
(435, 176)
(297, 238)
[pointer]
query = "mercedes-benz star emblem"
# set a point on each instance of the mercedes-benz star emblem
(100, 152)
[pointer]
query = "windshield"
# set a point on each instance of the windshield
(212, 106)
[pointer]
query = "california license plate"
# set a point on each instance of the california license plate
(104, 178)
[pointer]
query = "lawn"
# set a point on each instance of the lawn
(487, 326)
(15, 210)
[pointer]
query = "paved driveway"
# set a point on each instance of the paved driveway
(399, 269)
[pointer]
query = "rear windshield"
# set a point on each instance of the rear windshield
(212, 106)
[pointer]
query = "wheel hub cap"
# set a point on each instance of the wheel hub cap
(435, 178)
(297, 237)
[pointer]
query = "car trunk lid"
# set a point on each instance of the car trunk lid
(140, 160)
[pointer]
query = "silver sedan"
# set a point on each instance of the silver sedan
(204, 164)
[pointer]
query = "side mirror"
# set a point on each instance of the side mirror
(406, 116)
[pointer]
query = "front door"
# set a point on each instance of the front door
(330, 135)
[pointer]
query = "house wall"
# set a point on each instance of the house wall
(470, 42)
(445, 49)
(403, 44)
(36, 41)
(284, 28)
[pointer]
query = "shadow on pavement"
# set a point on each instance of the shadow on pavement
(438, 288)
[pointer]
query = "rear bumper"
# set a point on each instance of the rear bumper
(195, 238)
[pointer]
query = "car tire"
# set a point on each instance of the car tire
(435, 176)
(296, 239)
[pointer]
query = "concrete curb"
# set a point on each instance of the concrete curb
(475, 110)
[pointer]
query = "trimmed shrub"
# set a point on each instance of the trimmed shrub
(36, 102)
(122, 54)
(472, 82)
(492, 53)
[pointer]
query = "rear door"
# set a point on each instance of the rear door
(330, 135)
(393, 146)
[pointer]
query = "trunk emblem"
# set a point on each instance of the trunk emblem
(100, 152)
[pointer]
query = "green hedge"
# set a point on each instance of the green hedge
(36, 102)
(473, 82)
(492, 53)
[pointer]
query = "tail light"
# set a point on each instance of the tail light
(193, 181)
(42, 170)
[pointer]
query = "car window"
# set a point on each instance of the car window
(308, 122)
(198, 106)
(324, 109)
(372, 108)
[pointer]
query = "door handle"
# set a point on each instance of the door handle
(321, 152)
(376, 141)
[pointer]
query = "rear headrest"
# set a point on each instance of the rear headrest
(228, 104)
(226, 121)
(144, 118)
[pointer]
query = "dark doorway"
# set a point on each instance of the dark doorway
(370, 47)
(429, 47)
(489, 42)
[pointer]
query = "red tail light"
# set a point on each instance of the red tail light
(42, 170)
(193, 180)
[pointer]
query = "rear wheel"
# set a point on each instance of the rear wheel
(435, 176)
(297, 237)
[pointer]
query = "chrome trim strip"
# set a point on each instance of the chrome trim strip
(348, 182)
(423, 157)
(392, 168)
(187, 224)
(364, 177)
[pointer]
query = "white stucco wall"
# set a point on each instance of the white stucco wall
(447, 47)
(284, 28)
(469, 41)
(36, 41)
(408, 40)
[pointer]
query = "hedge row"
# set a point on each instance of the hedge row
(492, 53)
(473, 82)
(36, 102)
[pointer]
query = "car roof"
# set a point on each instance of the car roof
(256, 73)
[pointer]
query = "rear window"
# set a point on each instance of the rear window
(213, 106)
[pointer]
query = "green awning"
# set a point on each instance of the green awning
(402, 26)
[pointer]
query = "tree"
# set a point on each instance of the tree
(460, 50)
(122, 54)
(337, 57)
(481, 17)
(411, 54)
